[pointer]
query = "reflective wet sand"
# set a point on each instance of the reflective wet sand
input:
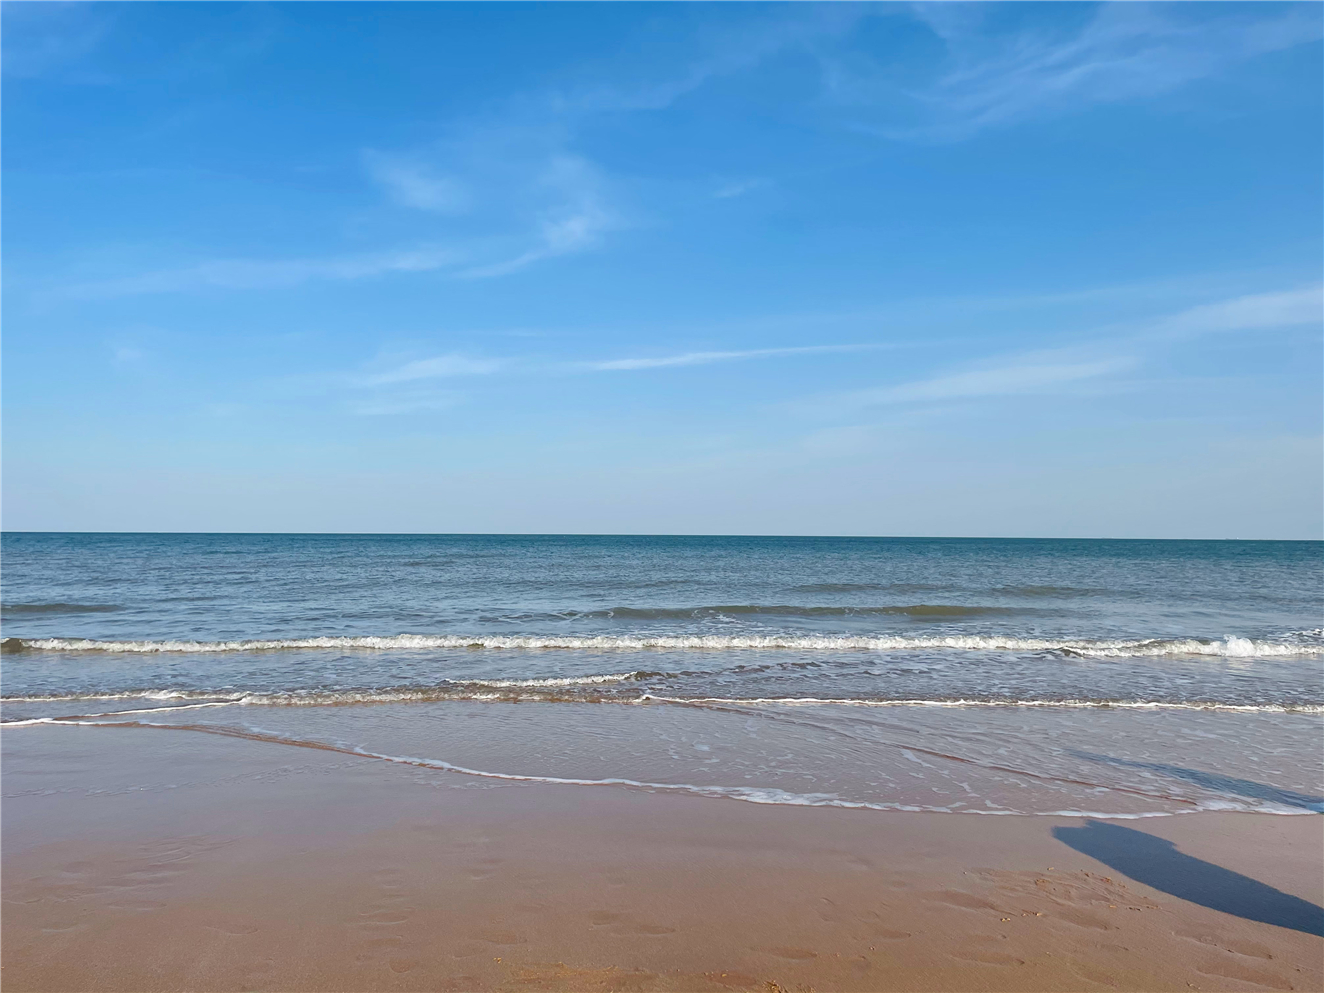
(145, 859)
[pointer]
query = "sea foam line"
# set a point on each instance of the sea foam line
(459, 694)
(1230, 646)
(1270, 708)
(114, 713)
(760, 795)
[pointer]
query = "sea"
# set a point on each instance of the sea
(1024, 677)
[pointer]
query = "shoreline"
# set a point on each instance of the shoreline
(137, 861)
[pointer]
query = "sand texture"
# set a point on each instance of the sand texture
(138, 859)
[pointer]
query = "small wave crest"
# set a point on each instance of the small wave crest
(564, 691)
(918, 611)
(1231, 646)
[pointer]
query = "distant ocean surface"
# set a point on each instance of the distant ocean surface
(1115, 678)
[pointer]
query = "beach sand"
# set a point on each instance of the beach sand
(141, 859)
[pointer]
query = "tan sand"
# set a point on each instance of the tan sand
(201, 863)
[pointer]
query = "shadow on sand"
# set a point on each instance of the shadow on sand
(1157, 863)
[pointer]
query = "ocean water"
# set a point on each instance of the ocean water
(1116, 678)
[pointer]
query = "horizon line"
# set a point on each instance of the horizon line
(640, 534)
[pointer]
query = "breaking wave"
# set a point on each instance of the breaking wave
(562, 691)
(1230, 646)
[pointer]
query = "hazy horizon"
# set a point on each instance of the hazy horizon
(644, 534)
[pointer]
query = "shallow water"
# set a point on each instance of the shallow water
(1002, 676)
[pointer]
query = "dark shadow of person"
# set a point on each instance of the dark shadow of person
(1157, 863)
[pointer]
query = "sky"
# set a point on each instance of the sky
(935, 269)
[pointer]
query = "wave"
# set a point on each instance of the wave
(1230, 646)
(23, 609)
(554, 691)
(870, 587)
(919, 610)
(1250, 708)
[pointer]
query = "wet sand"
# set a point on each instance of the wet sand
(140, 859)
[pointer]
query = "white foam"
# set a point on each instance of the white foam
(1231, 646)
(1088, 704)
(115, 713)
(748, 794)
(458, 693)
(616, 677)
(130, 695)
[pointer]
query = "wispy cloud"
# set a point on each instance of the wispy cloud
(1125, 51)
(53, 39)
(390, 386)
(515, 187)
(722, 52)
(520, 172)
(1254, 312)
(76, 43)
(740, 188)
(246, 274)
(704, 358)
(576, 217)
(437, 367)
(416, 184)
(1030, 374)
(1104, 352)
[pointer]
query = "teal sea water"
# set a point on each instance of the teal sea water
(1122, 678)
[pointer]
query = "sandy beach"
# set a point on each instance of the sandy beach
(151, 859)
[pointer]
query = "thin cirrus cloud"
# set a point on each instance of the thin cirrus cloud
(517, 182)
(409, 388)
(1254, 312)
(740, 188)
(453, 365)
(704, 358)
(575, 216)
(571, 213)
(1029, 375)
(722, 53)
(415, 184)
(246, 274)
(53, 40)
(1124, 51)
(437, 367)
(1051, 371)
(523, 156)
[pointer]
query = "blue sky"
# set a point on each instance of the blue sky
(1022, 269)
